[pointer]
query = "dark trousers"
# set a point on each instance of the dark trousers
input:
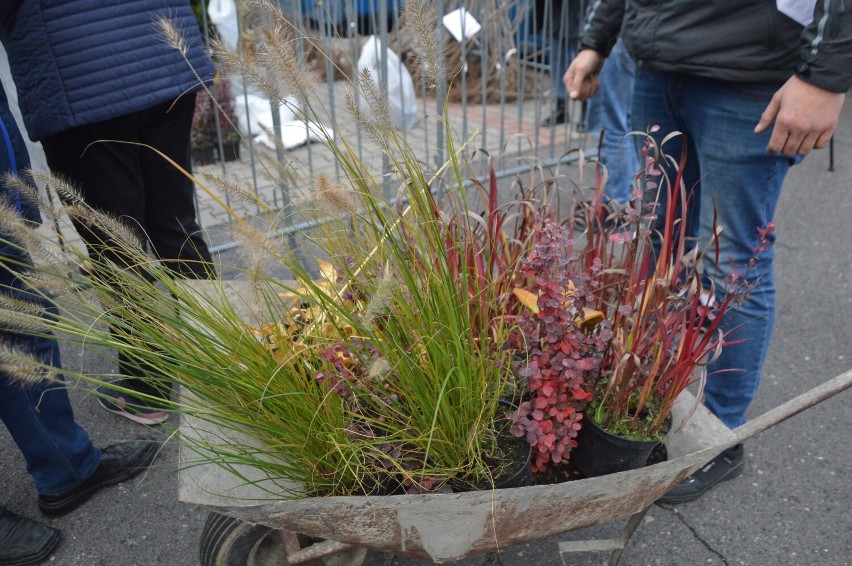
(135, 184)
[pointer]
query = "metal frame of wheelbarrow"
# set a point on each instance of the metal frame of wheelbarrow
(444, 527)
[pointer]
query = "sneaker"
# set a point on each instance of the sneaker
(137, 410)
(727, 465)
(119, 462)
(24, 541)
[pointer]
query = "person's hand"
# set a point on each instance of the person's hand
(804, 115)
(582, 78)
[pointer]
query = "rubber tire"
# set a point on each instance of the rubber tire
(226, 541)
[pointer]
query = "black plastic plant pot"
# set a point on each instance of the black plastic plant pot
(599, 452)
(517, 451)
(520, 476)
(207, 154)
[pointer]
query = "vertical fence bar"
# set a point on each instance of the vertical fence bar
(463, 69)
(441, 97)
(380, 29)
(535, 56)
(329, 32)
(519, 41)
(485, 62)
(249, 134)
(215, 107)
(351, 16)
(501, 51)
(301, 33)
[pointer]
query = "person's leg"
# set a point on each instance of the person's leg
(58, 452)
(170, 216)
(152, 197)
(741, 184)
(133, 183)
(653, 107)
(609, 111)
(109, 177)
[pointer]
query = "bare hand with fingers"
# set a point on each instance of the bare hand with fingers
(804, 115)
(582, 79)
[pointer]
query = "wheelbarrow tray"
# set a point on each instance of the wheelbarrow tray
(443, 527)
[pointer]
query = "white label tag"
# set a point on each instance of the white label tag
(461, 24)
(801, 11)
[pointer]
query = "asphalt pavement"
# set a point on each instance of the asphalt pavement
(792, 505)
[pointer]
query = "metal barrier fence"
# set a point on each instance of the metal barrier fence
(505, 54)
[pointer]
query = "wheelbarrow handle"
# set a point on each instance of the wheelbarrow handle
(794, 406)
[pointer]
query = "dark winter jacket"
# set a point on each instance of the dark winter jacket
(741, 41)
(85, 61)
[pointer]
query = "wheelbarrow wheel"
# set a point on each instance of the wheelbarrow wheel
(226, 541)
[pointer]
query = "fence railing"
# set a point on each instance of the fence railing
(504, 65)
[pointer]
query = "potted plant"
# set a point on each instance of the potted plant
(557, 354)
(620, 321)
(214, 125)
(394, 363)
(388, 369)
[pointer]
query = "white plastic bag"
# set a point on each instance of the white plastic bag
(294, 132)
(252, 109)
(223, 14)
(400, 86)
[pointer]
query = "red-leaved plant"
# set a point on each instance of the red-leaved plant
(485, 249)
(616, 326)
(661, 311)
(560, 357)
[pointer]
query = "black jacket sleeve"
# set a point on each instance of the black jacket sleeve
(602, 25)
(826, 51)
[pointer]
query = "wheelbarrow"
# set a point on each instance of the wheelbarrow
(248, 527)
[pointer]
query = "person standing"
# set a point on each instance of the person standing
(66, 468)
(99, 85)
(754, 87)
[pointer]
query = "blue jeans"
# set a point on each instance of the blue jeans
(58, 452)
(609, 111)
(729, 170)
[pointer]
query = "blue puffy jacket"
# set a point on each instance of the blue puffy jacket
(86, 61)
(13, 159)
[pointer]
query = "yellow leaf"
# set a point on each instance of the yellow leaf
(590, 317)
(327, 271)
(527, 298)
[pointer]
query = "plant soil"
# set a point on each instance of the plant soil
(510, 457)
(569, 472)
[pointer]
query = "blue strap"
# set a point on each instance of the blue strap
(13, 164)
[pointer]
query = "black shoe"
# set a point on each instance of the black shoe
(119, 462)
(24, 541)
(727, 465)
(559, 116)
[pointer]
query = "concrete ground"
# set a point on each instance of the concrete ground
(792, 506)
